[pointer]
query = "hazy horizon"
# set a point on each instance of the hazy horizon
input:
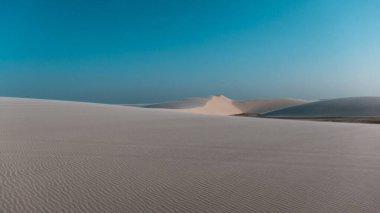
(150, 51)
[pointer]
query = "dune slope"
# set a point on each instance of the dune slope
(341, 107)
(79, 157)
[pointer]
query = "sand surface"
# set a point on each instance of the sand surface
(80, 157)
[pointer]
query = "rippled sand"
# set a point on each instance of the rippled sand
(80, 157)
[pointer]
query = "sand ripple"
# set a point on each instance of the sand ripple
(78, 157)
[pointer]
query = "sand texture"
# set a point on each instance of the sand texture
(80, 157)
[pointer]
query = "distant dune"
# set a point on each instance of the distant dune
(261, 106)
(217, 105)
(58, 156)
(221, 105)
(342, 107)
(180, 104)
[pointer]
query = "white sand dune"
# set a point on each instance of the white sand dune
(216, 105)
(341, 107)
(180, 104)
(60, 156)
(262, 106)
(221, 105)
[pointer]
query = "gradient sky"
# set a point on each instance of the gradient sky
(148, 51)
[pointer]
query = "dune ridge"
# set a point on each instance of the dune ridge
(58, 156)
(216, 105)
(221, 105)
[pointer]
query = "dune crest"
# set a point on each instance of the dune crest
(221, 105)
(217, 105)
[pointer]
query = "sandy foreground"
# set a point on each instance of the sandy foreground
(80, 157)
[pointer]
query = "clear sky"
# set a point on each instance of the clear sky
(148, 51)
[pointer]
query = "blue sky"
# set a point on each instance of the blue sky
(148, 51)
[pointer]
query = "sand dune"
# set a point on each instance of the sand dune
(221, 105)
(216, 105)
(180, 104)
(341, 107)
(261, 106)
(79, 157)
